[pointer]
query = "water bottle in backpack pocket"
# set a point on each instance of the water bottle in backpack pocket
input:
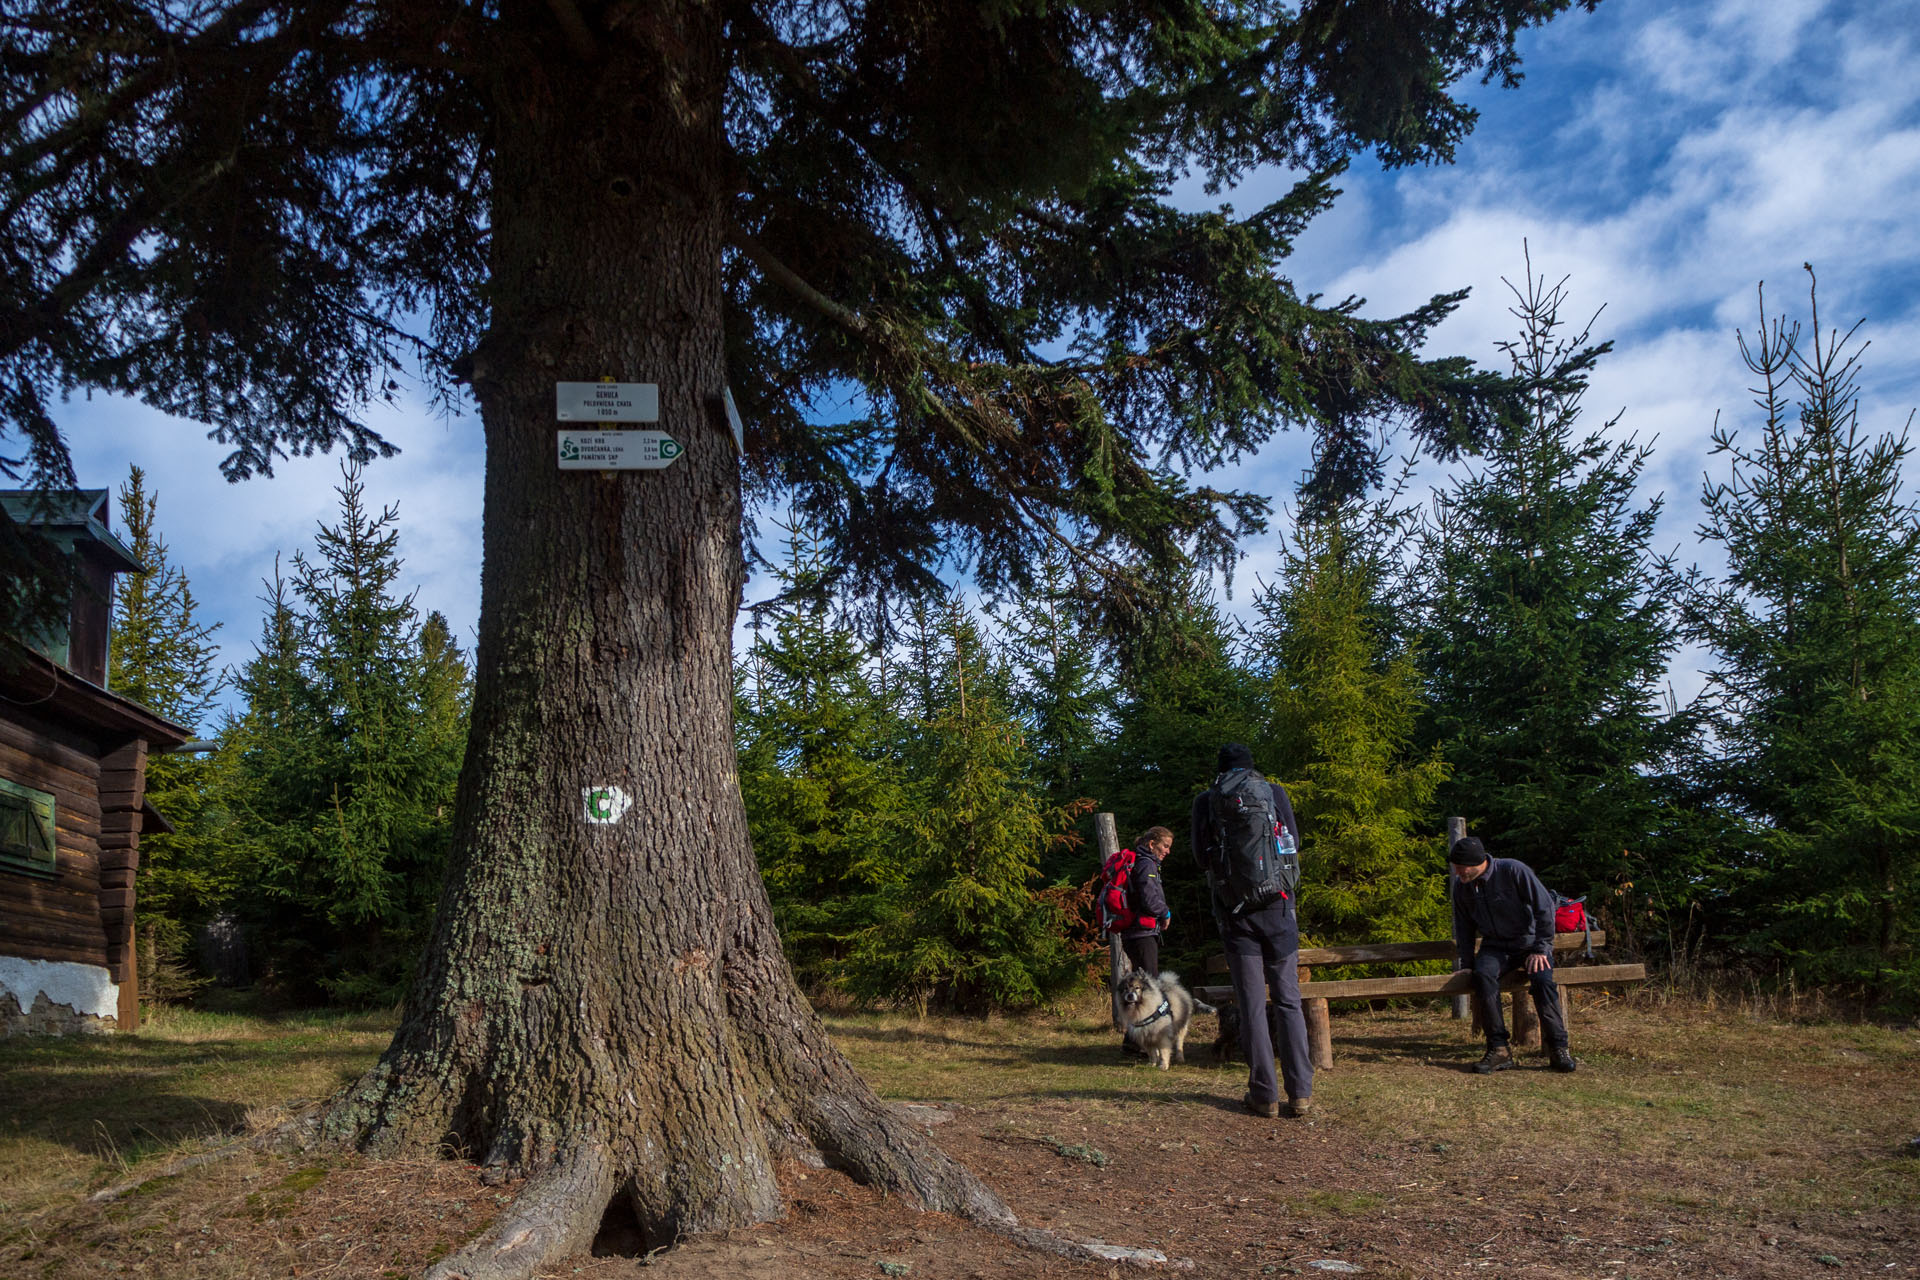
(1253, 861)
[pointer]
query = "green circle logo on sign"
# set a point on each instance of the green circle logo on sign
(669, 448)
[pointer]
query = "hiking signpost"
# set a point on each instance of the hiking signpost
(617, 450)
(607, 401)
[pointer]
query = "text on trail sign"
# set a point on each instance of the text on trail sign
(618, 450)
(607, 401)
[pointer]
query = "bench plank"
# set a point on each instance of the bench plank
(1404, 952)
(1443, 984)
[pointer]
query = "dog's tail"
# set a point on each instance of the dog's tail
(1168, 975)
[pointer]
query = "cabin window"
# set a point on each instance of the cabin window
(26, 830)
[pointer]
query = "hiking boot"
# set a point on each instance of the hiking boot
(1562, 1058)
(1499, 1058)
(1297, 1107)
(1270, 1110)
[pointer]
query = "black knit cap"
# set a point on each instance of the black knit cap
(1235, 755)
(1467, 851)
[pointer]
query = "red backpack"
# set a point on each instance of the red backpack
(1570, 916)
(1116, 911)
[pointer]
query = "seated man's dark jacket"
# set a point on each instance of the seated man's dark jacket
(1505, 906)
(1201, 829)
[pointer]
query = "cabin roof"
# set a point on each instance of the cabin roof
(78, 514)
(35, 683)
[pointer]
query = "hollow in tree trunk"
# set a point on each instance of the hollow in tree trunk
(604, 1006)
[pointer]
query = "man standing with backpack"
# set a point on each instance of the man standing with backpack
(1247, 840)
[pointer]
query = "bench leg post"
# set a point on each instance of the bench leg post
(1526, 1025)
(1460, 1008)
(1319, 1034)
(1319, 1025)
(1566, 1009)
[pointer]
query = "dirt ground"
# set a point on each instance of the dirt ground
(1692, 1142)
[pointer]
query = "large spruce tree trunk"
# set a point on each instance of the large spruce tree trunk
(605, 1007)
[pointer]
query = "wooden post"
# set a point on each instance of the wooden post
(1456, 828)
(1108, 838)
(1525, 1027)
(1319, 1027)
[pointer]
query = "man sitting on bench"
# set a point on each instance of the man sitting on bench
(1503, 903)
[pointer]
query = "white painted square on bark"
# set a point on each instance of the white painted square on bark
(604, 805)
(607, 401)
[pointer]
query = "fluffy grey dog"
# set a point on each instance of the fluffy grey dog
(1157, 1011)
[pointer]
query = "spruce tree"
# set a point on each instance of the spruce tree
(162, 656)
(347, 754)
(1549, 624)
(1815, 631)
(257, 215)
(1061, 690)
(965, 926)
(1063, 696)
(1186, 691)
(1342, 701)
(818, 771)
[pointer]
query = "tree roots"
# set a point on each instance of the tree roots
(554, 1216)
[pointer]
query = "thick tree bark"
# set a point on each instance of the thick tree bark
(606, 1007)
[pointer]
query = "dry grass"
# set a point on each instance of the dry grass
(1690, 1139)
(1730, 1109)
(79, 1113)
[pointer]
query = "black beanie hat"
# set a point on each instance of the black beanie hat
(1235, 755)
(1467, 851)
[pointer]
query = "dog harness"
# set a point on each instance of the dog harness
(1164, 1011)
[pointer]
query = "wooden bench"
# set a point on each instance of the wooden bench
(1524, 1025)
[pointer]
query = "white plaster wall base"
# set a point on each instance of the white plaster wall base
(56, 995)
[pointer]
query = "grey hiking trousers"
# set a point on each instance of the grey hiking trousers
(1263, 950)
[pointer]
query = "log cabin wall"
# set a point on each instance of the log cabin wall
(56, 973)
(123, 786)
(67, 952)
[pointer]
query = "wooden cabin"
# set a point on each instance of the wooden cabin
(73, 769)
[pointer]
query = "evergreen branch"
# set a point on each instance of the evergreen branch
(777, 270)
(114, 105)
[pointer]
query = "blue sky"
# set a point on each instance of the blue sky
(1665, 156)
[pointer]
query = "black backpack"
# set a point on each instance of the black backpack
(1245, 866)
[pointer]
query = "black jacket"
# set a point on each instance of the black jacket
(1202, 827)
(1144, 894)
(1506, 906)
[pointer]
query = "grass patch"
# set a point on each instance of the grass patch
(1714, 1127)
(1339, 1204)
(79, 1112)
(1077, 1151)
